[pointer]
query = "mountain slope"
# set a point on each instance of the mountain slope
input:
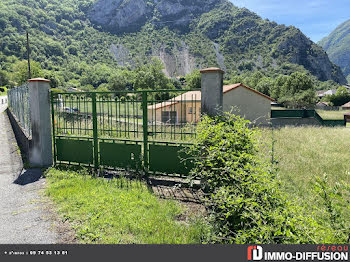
(126, 16)
(337, 45)
(68, 36)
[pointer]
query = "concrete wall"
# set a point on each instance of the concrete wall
(37, 148)
(196, 112)
(248, 104)
(23, 141)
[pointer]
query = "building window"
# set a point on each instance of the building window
(169, 117)
(190, 110)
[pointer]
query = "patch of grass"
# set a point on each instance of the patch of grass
(278, 108)
(313, 164)
(332, 115)
(304, 153)
(120, 211)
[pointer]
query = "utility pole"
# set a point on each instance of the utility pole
(28, 57)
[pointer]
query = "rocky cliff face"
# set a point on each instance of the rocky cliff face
(130, 15)
(337, 45)
(207, 33)
(299, 49)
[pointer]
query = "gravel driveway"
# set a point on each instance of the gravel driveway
(23, 218)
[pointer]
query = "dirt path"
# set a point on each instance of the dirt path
(23, 219)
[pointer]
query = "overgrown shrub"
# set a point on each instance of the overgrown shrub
(334, 202)
(3, 90)
(246, 203)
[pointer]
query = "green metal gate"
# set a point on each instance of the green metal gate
(127, 130)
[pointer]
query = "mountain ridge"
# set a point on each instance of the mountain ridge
(120, 16)
(337, 45)
(66, 34)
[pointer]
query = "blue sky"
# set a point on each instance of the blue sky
(316, 18)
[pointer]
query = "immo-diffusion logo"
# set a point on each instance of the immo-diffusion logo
(333, 253)
(255, 253)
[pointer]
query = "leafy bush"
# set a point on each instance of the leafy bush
(340, 98)
(246, 203)
(56, 90)
(193, 80)
(3, 90)
(335, 202)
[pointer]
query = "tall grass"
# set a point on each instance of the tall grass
(313, 164)
(120, 211)
(304, 153)
(332, 115)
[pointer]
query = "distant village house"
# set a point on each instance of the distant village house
(346, 106)
(238, 98)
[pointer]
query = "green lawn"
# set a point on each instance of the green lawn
(325, 114)
(278, 108)
(114, 108)
(120, 212)
(307, 152)
(332, 115)
(304, 155)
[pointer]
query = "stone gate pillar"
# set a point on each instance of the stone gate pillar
(40, 154)
(212, 91)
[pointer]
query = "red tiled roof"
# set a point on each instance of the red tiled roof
(346, 105)
(163, 104)
(228, 88)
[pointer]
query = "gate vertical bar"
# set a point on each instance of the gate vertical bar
(145, 132)
(53, 128)
(95, 131)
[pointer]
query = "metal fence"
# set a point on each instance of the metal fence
(139, 129)
(19, 104)
(306, 114)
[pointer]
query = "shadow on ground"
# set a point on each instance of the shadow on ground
(174, 188)
(28, 177)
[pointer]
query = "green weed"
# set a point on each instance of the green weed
(304, 155)
(120, 211)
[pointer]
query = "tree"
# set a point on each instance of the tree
(327, 85)
(20, 71)
(151, 77)
(341, 97)
(254, 79)
(121, 80)
(95, 75)
(193, 80)
(276, 89)
(4, 79)
(265, 85)
(298, 91)
(55, 79)
(237, 79)
(54, 48)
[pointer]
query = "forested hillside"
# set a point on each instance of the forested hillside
(107, 43)
(337, 45)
